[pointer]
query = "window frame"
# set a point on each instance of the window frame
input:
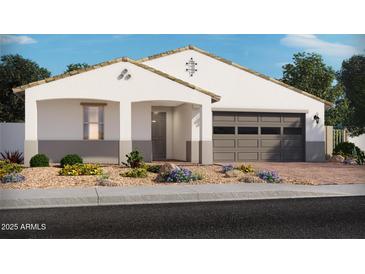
(270, 127)
(86, 121)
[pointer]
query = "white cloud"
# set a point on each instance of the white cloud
(312, 43)
(16, 39)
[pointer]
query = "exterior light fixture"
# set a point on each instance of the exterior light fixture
(316, 118)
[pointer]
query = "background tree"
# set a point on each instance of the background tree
(16, 71)
(352, 78)
(308, 72)
(76, 66)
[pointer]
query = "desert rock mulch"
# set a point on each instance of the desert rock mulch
(294, 173)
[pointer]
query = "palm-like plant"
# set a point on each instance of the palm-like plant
(15, 157)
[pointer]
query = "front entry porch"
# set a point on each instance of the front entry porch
(171, 130)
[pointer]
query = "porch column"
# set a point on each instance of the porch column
(125, 130)
(31, 125)
(193, 148)
(206, 143)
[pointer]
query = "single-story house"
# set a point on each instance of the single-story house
(185, 104)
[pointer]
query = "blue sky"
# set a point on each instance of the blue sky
(263, 53)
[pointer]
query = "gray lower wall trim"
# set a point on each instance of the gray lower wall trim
(315, 151)
(188, 151)
(192, 151)
(144, 147)
(125, 147)
(30, 149)
(206, 155)
(101, 151)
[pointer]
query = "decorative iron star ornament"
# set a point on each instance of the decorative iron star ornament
(191, 67)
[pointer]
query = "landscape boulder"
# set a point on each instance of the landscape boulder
(233, 173)
(166, 168)
(337, 159)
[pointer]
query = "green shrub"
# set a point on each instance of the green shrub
(134, 159)
(246, 168)
(71, 159)
(80, 169)
(39, 160)
(135, 173)
(348, 149)
(6, 168)
(153, 168)
(345, 149)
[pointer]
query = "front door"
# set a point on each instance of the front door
(158, 135)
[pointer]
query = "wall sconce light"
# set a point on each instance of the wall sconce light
(316, 118)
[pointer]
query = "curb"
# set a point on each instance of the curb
(100, 196)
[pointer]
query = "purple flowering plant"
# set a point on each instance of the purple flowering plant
(269, 176)
(181, 175)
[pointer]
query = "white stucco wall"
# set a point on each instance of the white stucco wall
(182, 130)
(241, 90)
(358, 141)
(12, 137)
(103, 84)
(63, 120)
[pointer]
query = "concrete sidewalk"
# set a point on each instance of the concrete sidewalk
(96, 196)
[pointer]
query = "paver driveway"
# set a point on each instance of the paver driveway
(316, 173)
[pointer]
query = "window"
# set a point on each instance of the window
(223, 130)
(248, 130)
(93, 122)
(292, 130)
(270, 130)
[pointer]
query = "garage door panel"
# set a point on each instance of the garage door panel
(247, 143)
(292, 155)
(226, 117)
(271, 143)
(247, 156)
(224, 156)
(259, 137)
(247, 118)
(287, 143)
(270, 156)
(224, 143)
(272, 118)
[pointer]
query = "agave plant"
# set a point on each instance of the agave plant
(15, 157)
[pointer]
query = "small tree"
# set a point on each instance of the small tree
(352, 77)
(308, 72)
(16, 71)
(76, 66)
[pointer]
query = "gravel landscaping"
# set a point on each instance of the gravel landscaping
(296, 173)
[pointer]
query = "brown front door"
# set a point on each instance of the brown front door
(158, 135)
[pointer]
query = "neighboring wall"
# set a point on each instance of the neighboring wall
(12, 137)
(358, 141)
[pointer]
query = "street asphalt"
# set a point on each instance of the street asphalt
(331, 217)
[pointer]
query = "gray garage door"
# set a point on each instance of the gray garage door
(244, 136)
